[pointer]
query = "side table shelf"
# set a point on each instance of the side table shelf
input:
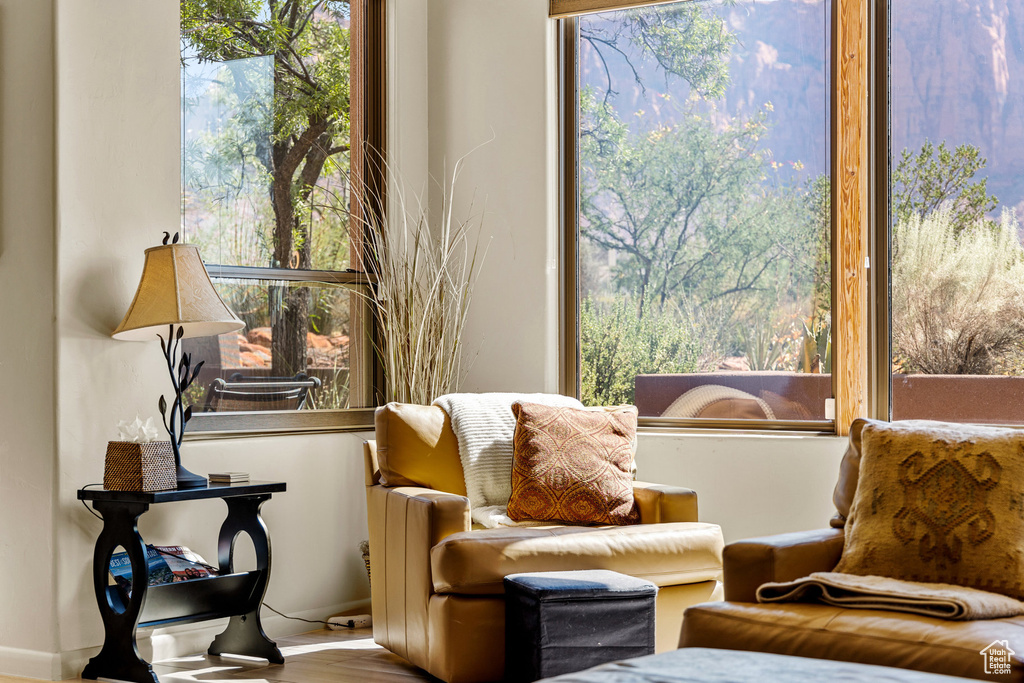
(230, 594)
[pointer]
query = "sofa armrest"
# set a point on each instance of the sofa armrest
(405, 523)
(755, 561)
(660, 503)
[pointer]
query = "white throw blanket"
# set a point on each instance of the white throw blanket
(879, 592)
(484, 426)
(495, 516)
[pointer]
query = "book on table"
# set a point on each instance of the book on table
(167, 564)
(228, 477)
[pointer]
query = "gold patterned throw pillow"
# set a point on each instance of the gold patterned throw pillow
(939, 503)
(572, 465)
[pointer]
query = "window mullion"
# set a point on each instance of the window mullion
(569, 192)
(850, 210)
(880, 351)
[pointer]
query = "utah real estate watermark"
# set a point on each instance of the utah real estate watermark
(997, 657)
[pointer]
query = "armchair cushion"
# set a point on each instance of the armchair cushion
(476, 562)
(417, 447)
(749, 564)
(572, 465)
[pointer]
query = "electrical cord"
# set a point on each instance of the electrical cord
(91, 511)
(351, 623)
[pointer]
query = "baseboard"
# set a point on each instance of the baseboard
(29, 663)
(179, 641)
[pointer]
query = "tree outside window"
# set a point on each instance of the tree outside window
(704, 221)
(266, 194)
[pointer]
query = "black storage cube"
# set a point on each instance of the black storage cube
(560, 622)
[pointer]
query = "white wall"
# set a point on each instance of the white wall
(751, 485)
(27, 425)
(408, 113)
(118, 179)
(491, 75)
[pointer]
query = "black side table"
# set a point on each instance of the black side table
(230, 594)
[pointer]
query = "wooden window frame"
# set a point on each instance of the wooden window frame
(853, 171)
(368, 136)
(564, 9)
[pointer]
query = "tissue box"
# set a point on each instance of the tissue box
(139, 466)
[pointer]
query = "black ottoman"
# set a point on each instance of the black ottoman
(560, 622)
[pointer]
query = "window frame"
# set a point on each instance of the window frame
(368, 137)
(879, 333)
(851, 128)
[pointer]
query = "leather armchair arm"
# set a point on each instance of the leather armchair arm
(755, 561)
(427, 515)
(660, 503)
(405, 523)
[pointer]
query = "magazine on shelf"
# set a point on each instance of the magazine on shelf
(167, 564)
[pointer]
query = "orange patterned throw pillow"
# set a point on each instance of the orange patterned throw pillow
(572, 465)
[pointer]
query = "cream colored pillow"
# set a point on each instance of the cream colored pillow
(939, 503)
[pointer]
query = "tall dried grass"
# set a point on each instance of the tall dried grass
(424, 270)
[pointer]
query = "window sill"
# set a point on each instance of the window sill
(204, 426)
(696, 426)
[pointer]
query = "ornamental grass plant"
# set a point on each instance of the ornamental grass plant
(423, 265)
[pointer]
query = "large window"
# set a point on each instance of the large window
(956, 94)
(700, 223)
(927, 271)
(275, 133)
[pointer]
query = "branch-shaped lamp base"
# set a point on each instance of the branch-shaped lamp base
(189, 480)
(182, 376)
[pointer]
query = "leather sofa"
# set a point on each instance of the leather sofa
(821, 631)
(436, 587)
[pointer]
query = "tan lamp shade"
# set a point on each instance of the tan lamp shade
(175, 289)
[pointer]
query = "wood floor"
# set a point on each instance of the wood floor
(309, 658)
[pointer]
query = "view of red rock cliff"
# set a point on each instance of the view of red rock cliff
(957, 70)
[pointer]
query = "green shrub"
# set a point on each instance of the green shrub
(616, 345)
(957, 295)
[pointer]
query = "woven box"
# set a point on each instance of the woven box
(139, 466)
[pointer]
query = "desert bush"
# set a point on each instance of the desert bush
(769, 346)
(957, 295)
(787, 343)
(816, 346)
(617, 344)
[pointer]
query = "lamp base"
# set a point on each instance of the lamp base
(188, 480)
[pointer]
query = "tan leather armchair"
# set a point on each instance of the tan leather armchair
(436, 584)
(878, 637)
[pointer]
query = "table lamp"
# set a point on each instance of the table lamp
(176, 297)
